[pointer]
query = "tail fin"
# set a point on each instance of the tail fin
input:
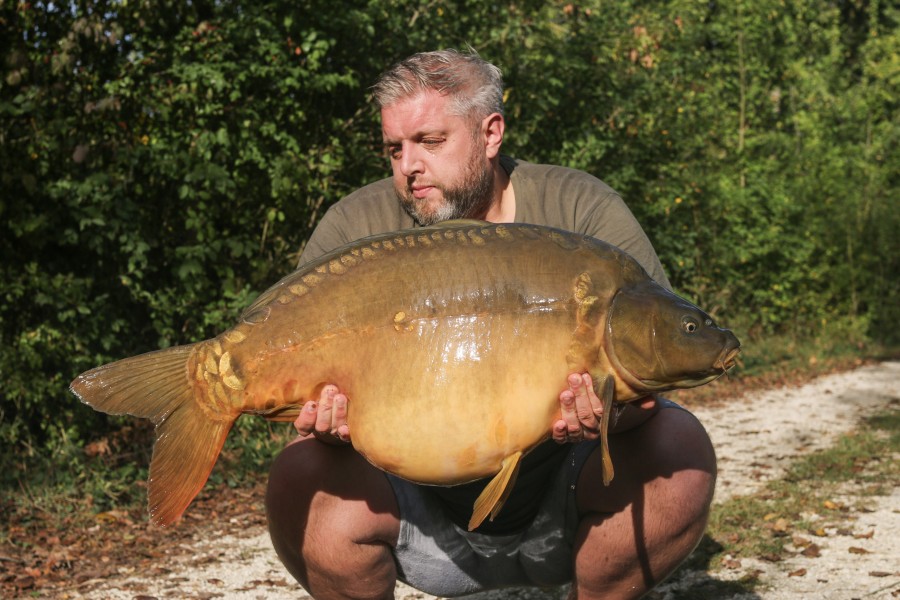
(156, 386)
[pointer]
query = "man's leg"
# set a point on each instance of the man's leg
(333, 520)
(635, 532)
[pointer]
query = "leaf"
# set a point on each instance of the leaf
(812, 551)
(98, 448)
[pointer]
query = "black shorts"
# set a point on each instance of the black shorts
(436, 556)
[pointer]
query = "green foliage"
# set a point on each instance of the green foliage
(163, 163)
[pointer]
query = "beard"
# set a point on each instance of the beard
(468, 199)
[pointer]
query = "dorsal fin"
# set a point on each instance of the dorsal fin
(458, 223)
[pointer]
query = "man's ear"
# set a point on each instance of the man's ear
(492, 128)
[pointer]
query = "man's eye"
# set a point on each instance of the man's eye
(394, 152)
(431, 143)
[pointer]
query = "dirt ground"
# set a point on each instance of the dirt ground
(756, 438)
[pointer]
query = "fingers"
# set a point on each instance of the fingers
(327, 418)
(580, 411)
(326, 408)
(305, 423)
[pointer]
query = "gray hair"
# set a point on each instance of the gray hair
(474, 85)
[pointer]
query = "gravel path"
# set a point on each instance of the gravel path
(756, 438)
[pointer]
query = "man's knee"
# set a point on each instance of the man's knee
(331, 513)
(294, 479)
(679, 474)
(648, 520)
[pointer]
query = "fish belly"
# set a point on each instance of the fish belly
(444, 401)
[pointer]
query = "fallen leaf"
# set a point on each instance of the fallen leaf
(797, 573)
(858, 550)
(110, 516)
(864, 536)
(751, 576)
(879, 574)
(97, 448)
(812, 551)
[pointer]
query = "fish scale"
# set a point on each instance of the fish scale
(452, 343)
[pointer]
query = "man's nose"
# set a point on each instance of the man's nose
(410, 162)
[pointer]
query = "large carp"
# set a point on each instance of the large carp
(452, 342)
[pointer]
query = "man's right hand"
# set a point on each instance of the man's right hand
(325, 419)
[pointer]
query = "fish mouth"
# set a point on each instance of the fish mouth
(728, 359)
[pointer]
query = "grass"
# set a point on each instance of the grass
(797, 508)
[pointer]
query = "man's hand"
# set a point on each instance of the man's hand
(325, 419)
(581, 411)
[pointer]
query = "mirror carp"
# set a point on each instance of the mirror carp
(452, 342)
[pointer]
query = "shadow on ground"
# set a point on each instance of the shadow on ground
(692, 580)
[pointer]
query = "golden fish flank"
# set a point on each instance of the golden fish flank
(498, 297)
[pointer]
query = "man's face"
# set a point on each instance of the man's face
(441, 170)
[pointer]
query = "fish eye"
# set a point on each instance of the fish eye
(709, 322)
(689, 325)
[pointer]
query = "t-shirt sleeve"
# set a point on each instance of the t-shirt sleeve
(581, 203)
(615, 224)
(370, 210)
(328, 235)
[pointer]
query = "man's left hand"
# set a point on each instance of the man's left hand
(581, 411)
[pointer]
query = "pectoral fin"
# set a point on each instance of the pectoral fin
(606, 393)
(281, 414)
(492, 498)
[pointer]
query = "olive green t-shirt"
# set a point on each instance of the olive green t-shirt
(545, 195)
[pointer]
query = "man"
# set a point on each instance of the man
(345, 529)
